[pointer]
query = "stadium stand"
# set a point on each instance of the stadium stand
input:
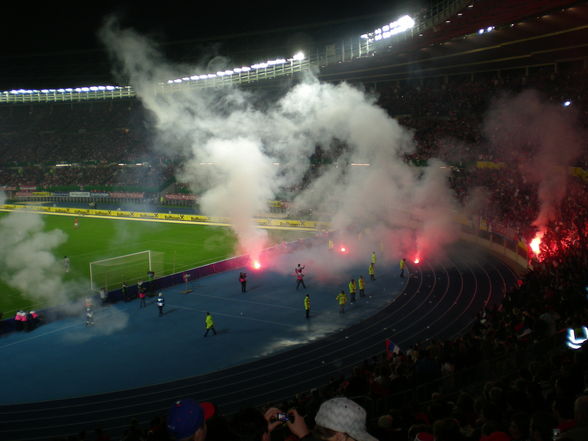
(536, 378)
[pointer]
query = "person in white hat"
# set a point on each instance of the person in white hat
(338, 419)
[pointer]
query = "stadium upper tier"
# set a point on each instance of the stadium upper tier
(448, 21)
(121, 131)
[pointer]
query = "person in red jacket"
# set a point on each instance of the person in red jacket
(142, 296)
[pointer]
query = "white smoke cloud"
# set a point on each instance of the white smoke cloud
(107, 321)
(542, 139)
(231, 142)
(28, 262)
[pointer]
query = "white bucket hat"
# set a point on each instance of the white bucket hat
(343, 415)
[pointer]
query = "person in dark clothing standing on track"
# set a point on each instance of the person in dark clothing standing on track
(243, 280)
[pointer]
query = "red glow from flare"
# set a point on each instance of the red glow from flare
(417, 260)
(343, 249)
(256, 264)
(535, 244)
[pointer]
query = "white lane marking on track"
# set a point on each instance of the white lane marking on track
(39, 335)
(245, 317)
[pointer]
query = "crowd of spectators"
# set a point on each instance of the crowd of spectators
(445, 114)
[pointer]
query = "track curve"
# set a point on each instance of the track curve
(437, 302)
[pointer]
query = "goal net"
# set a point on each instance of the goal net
(130, 268)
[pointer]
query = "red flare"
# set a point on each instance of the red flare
(536, 244)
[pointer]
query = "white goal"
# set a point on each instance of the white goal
(130, 268)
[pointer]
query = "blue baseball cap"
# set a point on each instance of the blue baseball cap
(186, 416)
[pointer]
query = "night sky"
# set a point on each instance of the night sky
(55, 44)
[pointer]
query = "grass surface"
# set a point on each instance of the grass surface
(183, 246)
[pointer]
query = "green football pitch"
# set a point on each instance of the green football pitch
(178, 247)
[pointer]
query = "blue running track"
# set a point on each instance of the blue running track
(64, 377)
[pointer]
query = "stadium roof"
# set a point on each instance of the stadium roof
(52, 45)
(555, 35)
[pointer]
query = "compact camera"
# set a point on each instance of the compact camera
(283, 417)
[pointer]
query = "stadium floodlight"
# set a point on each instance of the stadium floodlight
(364, 36)
(567, 103)
(243, 69)
(489, 28)
(480, 31)
(403, 24)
